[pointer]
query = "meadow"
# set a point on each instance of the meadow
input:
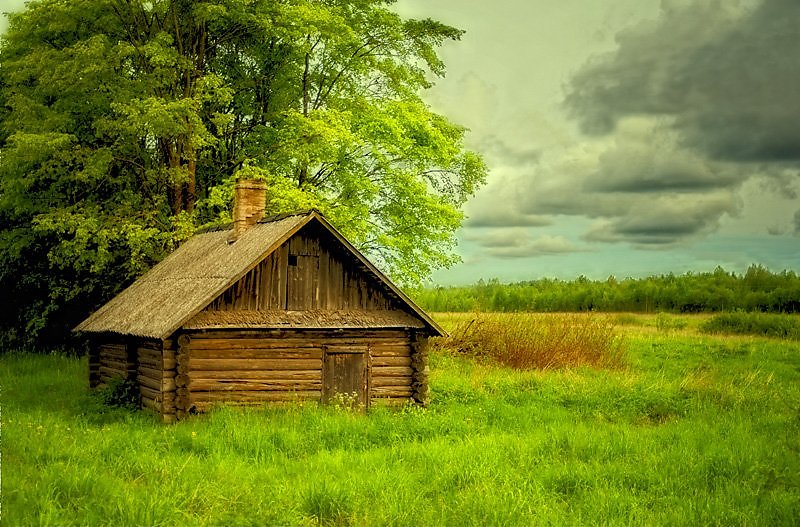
(683, 428)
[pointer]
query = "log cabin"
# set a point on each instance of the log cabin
(270, 310)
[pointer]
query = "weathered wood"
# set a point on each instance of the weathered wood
(383, 360)
(262, 353)
(391, 381)
(208, 385)
(377, 335)
(151, 404)
(253, 364)
(252, 396)
(345, 373)
(146, 391)
(160, 384)
(392, 371)
(151, 373)
(378, 350)
(113, 363)
(107, 372)
(195, 375)
(145, 351)
(391, 391)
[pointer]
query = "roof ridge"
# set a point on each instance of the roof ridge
(284, 215)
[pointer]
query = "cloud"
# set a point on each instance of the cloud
(666, 220)
(506, 217)
(797, 223)
(689, 107)
(518, 243)
(728, 76)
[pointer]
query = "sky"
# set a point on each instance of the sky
(623, 137)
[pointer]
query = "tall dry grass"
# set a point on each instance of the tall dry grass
(528, 341)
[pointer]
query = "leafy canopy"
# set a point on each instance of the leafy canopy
(123, 124)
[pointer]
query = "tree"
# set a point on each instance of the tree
(123, 124)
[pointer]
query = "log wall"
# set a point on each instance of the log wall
(112, 359)
(254, 367)
(309, 271)
(156, 371)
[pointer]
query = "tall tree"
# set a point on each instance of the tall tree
(124, 122)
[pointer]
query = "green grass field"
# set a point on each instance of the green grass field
(692, 430)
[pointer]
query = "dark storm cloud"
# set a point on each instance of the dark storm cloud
(665, 221)
(730, 80)
(652, 168)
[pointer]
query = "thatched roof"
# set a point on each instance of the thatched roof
(189, 279)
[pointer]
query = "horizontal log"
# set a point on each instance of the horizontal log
(151, 404)
(149, 352)
(212, 385)
(113, 358)
(114, 363)
(391, 391)
(150, 372)
(193, 376)
(239, 396)
(254, 364)
(391, 361)
(277, 353)
(150, 383)
(352, 334)
(146, 391)
(149, 364)
(169, 344)
(347, 348)
(253, 344)
(114, 349)
(390, 352)
(169, 364)
(160, 385)
(391, 371)
(112, 372)
(391, 381)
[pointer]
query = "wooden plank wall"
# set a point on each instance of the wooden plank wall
(307, 272)
(255, 367)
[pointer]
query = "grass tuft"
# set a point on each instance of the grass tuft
(531, 342)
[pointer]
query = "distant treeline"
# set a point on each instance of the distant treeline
(758, 289)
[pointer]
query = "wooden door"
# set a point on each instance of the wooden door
(345, 376)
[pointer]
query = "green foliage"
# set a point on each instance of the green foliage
(120, 393)
(762, 324)
(124, 124)
(757, 290)
(696, 430)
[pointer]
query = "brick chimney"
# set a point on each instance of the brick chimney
(249, 202)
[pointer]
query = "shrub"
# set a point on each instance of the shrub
(120, 393)
(761, 324)
(541, 342)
